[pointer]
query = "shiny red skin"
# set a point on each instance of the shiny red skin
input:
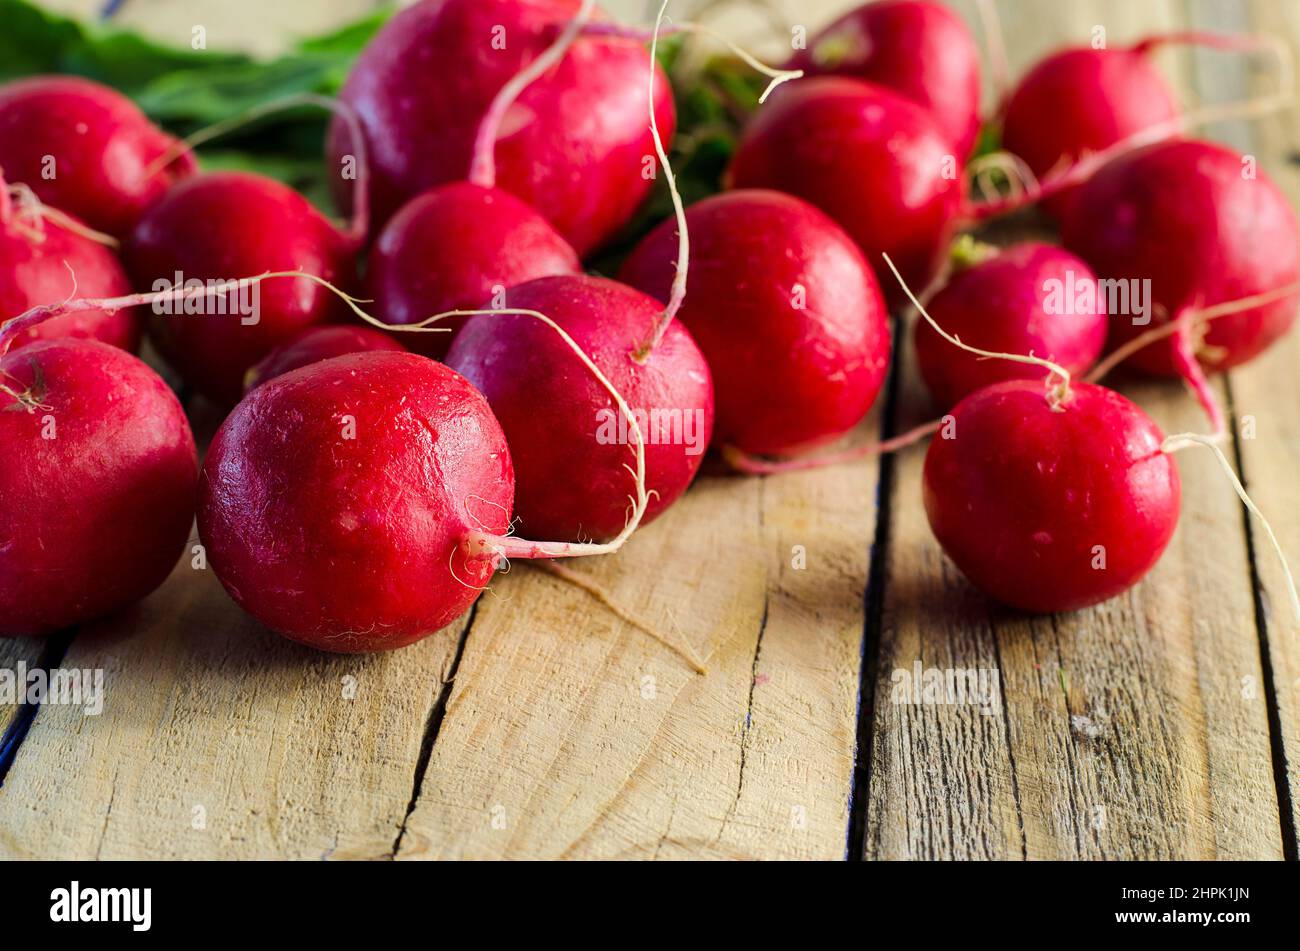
(350, 545)
(872, 160)
(1022, 494)
(1082, 100)
(313, 346)
(917, 48)
(449, 247)
(785, 377)
(226, 226)
(571, 486)
(1002, 305)
(93, 519)
(572, 146)
(102, 146)
(1182, 214)
(44, 264)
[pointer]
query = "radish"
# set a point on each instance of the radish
(45, 256)
(787, 312)
(1051, 506)
(344, 530)
(313, 346)
(225, 226)
(97, 485)
(1203, 225)
(875, 162)
(917, 48)
(1082, 108)
(1030, 298)
(567, 438)
(572, 146)
(1083, 100)
(86, 150)
(1052, 495)
(452, 248)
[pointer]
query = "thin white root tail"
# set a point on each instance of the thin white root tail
(482, 170)
(1185, 440)
(1058, 391)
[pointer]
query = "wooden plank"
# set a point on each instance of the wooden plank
(1123, 731)
(221, 740)
(568, 735)
(1265, 407)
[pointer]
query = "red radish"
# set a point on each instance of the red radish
(85, 149)
(566, 435)
(1083, 100)
(1030, 298)
(786, 310)
(223, 227)
(45, 257)
(1051, 507)
(313, 346)
(97, 487)
(918, 48)
(343, 530)
(1204, 226)
(573, 145)
(875, 162)
(451, 248)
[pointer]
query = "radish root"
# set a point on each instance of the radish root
(677, 294)
(776, 76)
(1200, 317)
(1058, 377)
(749, 464)
(482, 169)
(1182, 441)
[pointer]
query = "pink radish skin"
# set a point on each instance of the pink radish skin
(1184, 215)
(224, 227)
(103, 148)
(97, 485)
(313, 346)
(875, 162)
(1028, 499)
(919, 49)
(42, 262)
(353, 544)
(787, 312)
(449, 248)
(1002, 304)
(572, 146)
(571, 485)
(1083, 100)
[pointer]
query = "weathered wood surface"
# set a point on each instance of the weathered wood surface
(1162, 724)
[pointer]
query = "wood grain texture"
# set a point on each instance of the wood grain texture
(1159, 725)
(568, 737)
(1265, 408)
(221, 740)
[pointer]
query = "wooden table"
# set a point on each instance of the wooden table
(1165, 723)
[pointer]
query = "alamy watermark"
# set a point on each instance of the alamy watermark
(659, 427)
(57, 686)
(958, 686)
(1084, 294)
(219, 298)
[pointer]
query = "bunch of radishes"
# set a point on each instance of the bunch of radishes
(362, 491)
